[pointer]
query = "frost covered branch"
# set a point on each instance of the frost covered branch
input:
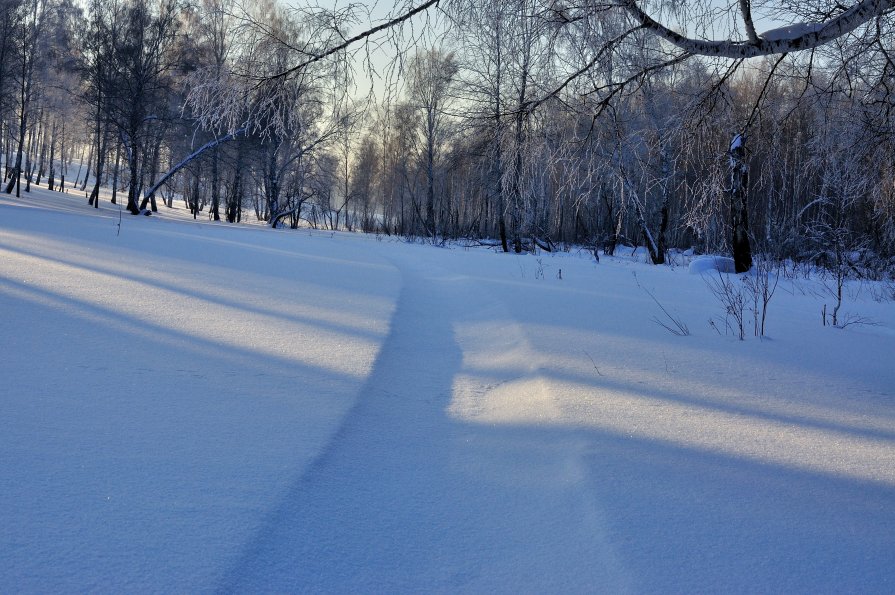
(793, 38)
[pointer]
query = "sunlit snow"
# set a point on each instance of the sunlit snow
(190, 407)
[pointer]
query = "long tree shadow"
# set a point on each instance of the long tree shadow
(124, 435)
(221, 298)
(404, 499)
(366, 510)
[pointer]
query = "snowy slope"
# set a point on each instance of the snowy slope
(198, 407)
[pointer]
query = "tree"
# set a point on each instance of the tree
(142, 43)
(431, 77)
(31, 27)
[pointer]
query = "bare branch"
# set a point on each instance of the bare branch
(746, 11)
(802, 36)
(352, 40)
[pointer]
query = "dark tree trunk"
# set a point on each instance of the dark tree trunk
(115, 173)
(194, 199)
(517, 176)
(612, 243)
(29, 165)
(430, 178)
(42, 150)
(498, 182)
(62, 161)
(102, 136)
(134, 169)
(234, 203)
(149, 199)
(739, 218)
(51, 173)
(272, 189)
(661, 241)
(215, 185)
(15, 178)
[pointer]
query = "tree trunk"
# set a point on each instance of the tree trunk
(28, 164)
(498, 178)
(517, 187)
(15, 178)
(663, 228)
(51, 174)
(102, 136)
(62, 162)
(189, 158)
(149, 199)
(115, 172)
(134, 169)
(215, 185)
(87, 173)
(80, 169)
(42, 155)
(738, 192)
(194, 202)
(234, 203)
(272, 186)
(430, 177)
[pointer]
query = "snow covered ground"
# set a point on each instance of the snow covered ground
(192, 407)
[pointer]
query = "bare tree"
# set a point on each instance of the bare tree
(432, 75)
(31, 27)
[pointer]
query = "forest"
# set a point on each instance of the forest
(525, 125)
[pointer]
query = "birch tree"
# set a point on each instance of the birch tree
(431, 77)
(31, 29)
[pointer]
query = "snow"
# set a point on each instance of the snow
(191, 406)
(711, 263)
(736, 143)
(790, 32)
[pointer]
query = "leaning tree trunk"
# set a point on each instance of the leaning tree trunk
(738, 191)
(189, 158)
(87, 173)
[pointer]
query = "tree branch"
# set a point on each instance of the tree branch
(359, 37)
(802, 36)
(746, 10)
(189, 158)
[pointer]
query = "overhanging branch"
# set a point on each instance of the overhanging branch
(802, 36)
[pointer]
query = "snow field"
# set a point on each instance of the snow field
(201, 407)
(162, 385)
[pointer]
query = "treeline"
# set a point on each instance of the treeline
(493, 134)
